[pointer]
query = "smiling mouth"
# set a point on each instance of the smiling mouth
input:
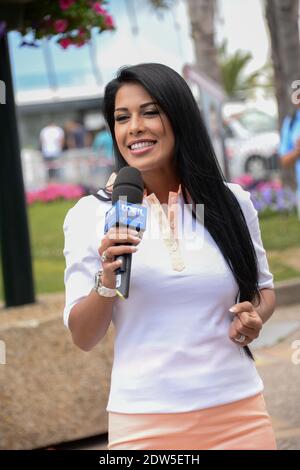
(141, 148)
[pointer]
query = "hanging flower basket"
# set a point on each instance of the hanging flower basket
(71, 21)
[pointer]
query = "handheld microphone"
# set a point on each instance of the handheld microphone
(126, 211)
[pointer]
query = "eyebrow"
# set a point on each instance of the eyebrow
(142, 106)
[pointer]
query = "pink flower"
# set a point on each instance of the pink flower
(53, 192)
(65, 42)
(244, 180)
(80, 43)
(109, 21)
(99, 9)
(31, 197)
(60, 26)
(65, 4)
(81, 38)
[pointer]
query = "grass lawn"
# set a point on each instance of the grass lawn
(281, 239)
(47, 241)
(280, 234)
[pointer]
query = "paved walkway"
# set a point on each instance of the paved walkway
(277, 365)
(281, 375)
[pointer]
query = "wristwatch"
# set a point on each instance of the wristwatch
(102, 290)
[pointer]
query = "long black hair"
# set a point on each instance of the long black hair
(197, 167)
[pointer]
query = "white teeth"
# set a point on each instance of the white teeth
(140, 145)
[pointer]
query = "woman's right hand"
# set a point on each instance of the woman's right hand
(113, 245)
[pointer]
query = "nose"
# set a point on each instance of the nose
(136, 125)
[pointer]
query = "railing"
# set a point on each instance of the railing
(79, 166)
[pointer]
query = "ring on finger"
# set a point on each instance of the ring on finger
(104, 257)
(241, 339)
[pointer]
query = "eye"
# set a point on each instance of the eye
(152, 112)
(121, 118)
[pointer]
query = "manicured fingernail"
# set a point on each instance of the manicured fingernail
(232, 309)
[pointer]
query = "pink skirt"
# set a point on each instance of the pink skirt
(242, 425)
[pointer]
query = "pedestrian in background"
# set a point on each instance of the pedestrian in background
(76, 135)
(51, 144)
(103, 145)
(289, 149)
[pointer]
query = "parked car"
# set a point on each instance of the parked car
(251, 143)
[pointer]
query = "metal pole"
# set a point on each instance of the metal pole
(93, 58)
(132, 17)
(14, 234)
(51, 74)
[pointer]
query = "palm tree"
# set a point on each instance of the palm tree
(161, 4)
(202, 17)
(282, 21)
(235, 82)
(202, 20)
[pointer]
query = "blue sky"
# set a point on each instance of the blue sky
(158, 40)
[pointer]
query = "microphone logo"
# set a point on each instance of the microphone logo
(131, 211)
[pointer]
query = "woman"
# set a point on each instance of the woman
(183, 376)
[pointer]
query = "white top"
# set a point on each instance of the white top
(172, 351)
(51, 138)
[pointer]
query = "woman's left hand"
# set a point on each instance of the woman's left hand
(246, 324)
